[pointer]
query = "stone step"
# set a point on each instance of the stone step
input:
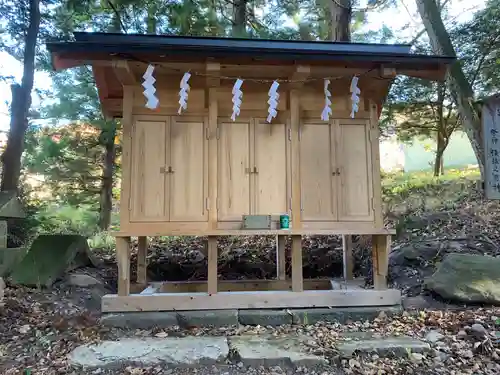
(249, 350)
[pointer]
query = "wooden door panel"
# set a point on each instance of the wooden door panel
(188, 180)
(270, 160)
(148, 186)
(355, 180)
(316, 168)
(233, 170)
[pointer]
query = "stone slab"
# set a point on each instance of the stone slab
(265, 317)
(273, 351)
(162, 319)
(178, 351)
(365, 343)
(342, 314)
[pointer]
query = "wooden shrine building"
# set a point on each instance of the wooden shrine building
(207, 155)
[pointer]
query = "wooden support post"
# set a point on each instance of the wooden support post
(280, 258)
(348, 257)
(142, 265)
(212, 265)
(123, 260)
(297, 279)
(380, 255)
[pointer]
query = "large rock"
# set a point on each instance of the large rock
(467, 278)
(9, 258)
(50, 257)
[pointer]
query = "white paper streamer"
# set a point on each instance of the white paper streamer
(273, 101)
(237, 94)
(149, 88)
(183, 92)
(327, 111)
(355, 95)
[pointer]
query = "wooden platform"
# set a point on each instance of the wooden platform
(250, 294)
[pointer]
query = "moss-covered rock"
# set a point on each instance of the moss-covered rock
(467, 278)
(50, 257)
(9, 258)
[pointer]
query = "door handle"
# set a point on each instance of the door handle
(255, 170)
(336, 172)
(166, 170)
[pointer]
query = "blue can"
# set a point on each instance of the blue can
(284, 222)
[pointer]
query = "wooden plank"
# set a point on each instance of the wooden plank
(128, 101)
(491, 140)
(142, 251)
(297, 278)
(212, 264)
(149, 229)
(254, 300)
(376, 177)
(242, 285)
(380, 256)
(347, 257)
(295, 161)
(123, 260)
(280, 257)
(212, 157)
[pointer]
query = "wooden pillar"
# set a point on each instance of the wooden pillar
(212, 265)
(381, 244)
(297, 279)
(123, 260)
(213, 82)
(280, 257)
(142, 265)
(347, 257)
(127, 126)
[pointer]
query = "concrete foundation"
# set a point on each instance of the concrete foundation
(224, 318)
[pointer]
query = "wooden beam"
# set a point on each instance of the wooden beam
(301, 73)
(212, 265)
(142, 252)
(250, 300)
(280, 257)
(124, 72)
(213, 74)
(123, 260)
(295, 162)
(348, 257)
(297, 278)
(380, 257)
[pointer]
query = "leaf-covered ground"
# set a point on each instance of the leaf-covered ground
(39, 328)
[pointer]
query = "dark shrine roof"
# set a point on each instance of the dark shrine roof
(93, 46)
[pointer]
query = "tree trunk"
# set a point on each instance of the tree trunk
(151, 19)
(239, 29)
(21, 103)
(438, 162)
(460, 88)
(106, 200)
(340, 20)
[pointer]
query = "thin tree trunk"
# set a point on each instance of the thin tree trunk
(106, 201)
(21, 103)
(340, 23)
(239, 29)
(460, 88)
(438, 162)
(107, 138)
(151, 19)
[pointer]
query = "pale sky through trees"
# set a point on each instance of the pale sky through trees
(404, 21)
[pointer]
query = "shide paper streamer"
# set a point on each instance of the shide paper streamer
(355, 95)
(149, 88)
(327, 111)
(237, 94)
(183, 92)
(273, 101)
